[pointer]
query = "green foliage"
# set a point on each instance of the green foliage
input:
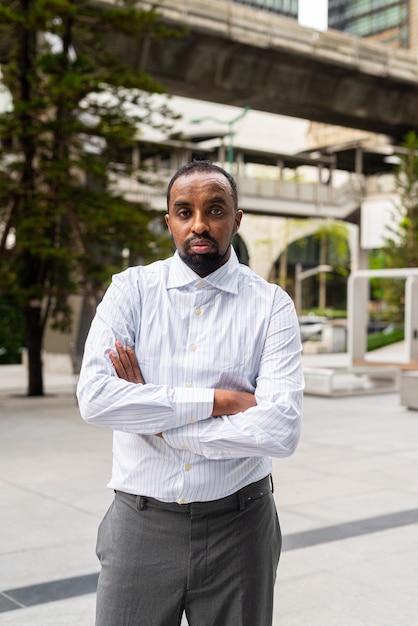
(379, 340)
(328, 244)
(401, 244)
(11, 330)
(65, 229)
(332, 236)
(331, 314)
(377, 261)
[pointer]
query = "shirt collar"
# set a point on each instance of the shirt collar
(224, 278)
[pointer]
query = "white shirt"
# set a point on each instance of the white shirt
(229, 330)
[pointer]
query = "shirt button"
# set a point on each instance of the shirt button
(198, 311)
(192, 421)
(187, 467)
(190, 384)
(193, 348)
(201, 284)
(185, 447)
(182, 501)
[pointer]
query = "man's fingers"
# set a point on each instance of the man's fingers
(125, 363)
(134, 365)
(123, 357)
(118, 366)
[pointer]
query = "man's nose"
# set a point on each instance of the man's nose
(200, 223)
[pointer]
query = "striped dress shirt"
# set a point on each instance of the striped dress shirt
(229, 330)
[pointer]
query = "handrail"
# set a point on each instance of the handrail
(322, 198)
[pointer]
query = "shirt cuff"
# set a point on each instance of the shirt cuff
(192, 404)
(184, 438)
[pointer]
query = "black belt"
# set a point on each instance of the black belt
(237, 500)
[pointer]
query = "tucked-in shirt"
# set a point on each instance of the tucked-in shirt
(191, 335)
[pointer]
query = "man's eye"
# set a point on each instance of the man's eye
(217, 211)
(184, 213)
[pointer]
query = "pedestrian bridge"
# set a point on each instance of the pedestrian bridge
(241, 55)
(261, 200)
(266, 197)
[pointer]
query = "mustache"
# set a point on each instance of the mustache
(197, 240)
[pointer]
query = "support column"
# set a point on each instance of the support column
(411, 320)
(363, 254)
(357, 300)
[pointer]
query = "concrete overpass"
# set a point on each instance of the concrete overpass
(239, 55)
(274, 197)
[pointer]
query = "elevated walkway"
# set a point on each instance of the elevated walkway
(241, 55)
(264, 197)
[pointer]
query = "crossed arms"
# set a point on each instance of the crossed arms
(225, 402)
(216, 422)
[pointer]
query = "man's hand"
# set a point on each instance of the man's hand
(228, 402)
(125, 363)
(126, 366)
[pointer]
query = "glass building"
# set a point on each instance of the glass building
(288, 8)
(386, 21)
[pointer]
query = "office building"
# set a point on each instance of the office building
(389, 22)
(288, 8)
(392, 22)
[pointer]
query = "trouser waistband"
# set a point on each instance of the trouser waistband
(237, 500)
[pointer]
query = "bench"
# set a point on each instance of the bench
(349, 381)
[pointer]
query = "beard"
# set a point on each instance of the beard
(203, 263)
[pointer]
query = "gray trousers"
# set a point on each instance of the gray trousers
(215, 561)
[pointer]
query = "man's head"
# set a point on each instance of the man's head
(203, 166)
(203, 215)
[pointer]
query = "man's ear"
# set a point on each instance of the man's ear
(167, 221)
(238, 218)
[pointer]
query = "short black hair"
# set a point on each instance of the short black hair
(203, 166)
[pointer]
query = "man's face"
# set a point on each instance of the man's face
(202, 220)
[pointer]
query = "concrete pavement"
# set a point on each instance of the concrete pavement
(347, 501)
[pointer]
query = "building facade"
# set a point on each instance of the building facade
(387, 21)
(288, 8)
(392, 22)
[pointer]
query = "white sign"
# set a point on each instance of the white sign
(377, 216)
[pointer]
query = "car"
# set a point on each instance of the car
(311, 326)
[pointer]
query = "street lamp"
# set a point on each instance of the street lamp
(230, 133)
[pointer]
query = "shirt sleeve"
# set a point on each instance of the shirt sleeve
(272, 427)
(106, 400)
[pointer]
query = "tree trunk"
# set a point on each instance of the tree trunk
(29, 270)
(34, 337)
(283, 269)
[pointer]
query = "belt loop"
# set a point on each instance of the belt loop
(271, 483)
(241, 499)
(141, 503)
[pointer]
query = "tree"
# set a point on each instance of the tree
(401, 243)
(75, 105)
(333, 247)
(326, 244)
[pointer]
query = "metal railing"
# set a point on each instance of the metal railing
(268, 197)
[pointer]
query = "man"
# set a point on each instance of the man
(195, 363)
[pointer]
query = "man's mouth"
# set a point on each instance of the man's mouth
(201, 246)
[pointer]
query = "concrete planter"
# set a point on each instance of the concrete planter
(409, 389)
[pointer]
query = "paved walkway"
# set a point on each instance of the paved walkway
(347, 500)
